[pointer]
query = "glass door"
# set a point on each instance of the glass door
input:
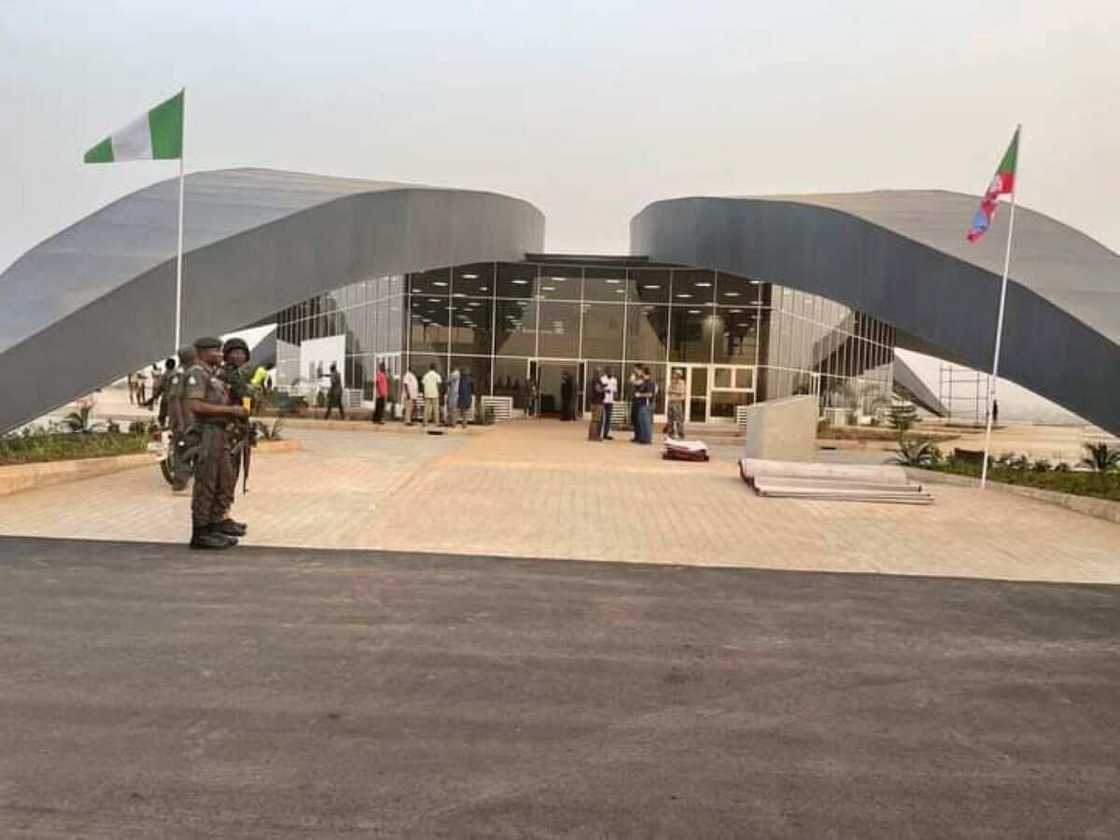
(732, 386)
(697, 403)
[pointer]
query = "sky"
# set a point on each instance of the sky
(590, 110)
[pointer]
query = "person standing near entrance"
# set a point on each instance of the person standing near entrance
(676, 405)
(610, 388)
(334, 393)
(632, 383)
(595, 426)
(644, 392)
(410, 390)
(431, 385)
(453, 396)
(466, 397)
(380, 393)
(567, 397)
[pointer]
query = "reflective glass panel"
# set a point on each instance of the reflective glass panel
(560, 284)
(429, 324)
(691, 335)
(692, 287)
(604, 284)
(515, 330)
(475, 280)
(471, 326)
(647, 332)
(431, 283)
(559, 330)
(649, 285)
(517, 280)
(602, 330)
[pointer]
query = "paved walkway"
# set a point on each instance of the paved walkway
(538, 489)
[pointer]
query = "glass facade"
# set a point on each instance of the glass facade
(737, 340)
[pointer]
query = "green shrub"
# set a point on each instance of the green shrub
(35, 446)
(1061, 479)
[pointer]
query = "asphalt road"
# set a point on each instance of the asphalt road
(148, 691)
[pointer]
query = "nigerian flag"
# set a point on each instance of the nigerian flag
(157, 135)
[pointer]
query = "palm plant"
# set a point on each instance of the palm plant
(81, 420)
(265, 432)
(916, 453)
(1100, 457)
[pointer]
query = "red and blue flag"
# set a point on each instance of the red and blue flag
(1002, 184)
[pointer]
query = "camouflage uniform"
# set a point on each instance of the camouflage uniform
(213, 472)
(236, 380)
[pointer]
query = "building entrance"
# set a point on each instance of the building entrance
(713, 392)
(559, 388)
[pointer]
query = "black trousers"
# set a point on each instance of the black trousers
(379, 410)
(335, 402)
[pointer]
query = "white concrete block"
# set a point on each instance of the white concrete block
(782, 430)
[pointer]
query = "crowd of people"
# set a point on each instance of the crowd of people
(446, 402)
(643, 391)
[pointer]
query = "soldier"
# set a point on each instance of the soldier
(236, 375)
(178, 419)
(208, 401)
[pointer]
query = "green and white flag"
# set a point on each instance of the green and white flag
(158, 135)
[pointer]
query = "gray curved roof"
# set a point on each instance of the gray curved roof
(97, 299)
(901, 256)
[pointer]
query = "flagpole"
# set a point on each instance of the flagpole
(999, 322)
(179, 268)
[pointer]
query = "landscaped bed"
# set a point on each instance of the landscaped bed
(1100, 485)
(38, 447)
(878, 433)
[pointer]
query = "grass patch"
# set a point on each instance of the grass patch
(1100, 485)
(37, 447)
(878, 434)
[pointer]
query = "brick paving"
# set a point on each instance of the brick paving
(538, 489)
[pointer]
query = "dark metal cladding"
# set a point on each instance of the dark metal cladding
(901, 256)
(97, 299)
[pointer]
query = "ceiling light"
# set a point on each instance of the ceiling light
(470, 276)
(756, 282)
(620, 291)
(559, 279)
(614, 281)
(439, 282)
(651, 286)
(703, 285)
(694, 312)
(683, 295)
(548, 288)
(433, 300)
(731, 294)
(520, 282)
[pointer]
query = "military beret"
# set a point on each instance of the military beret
(207, 343)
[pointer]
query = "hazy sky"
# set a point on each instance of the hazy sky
(590, 110)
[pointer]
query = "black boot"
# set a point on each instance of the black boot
(231, 528)
(217, 532)
(203, 538)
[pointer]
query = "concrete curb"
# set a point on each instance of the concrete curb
(391, 427)
(18, 477)
(1097, 508)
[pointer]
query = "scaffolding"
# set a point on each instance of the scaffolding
(964, 393)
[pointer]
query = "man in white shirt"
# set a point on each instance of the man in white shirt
(610, 388)
(410, 390)
(431, 384)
